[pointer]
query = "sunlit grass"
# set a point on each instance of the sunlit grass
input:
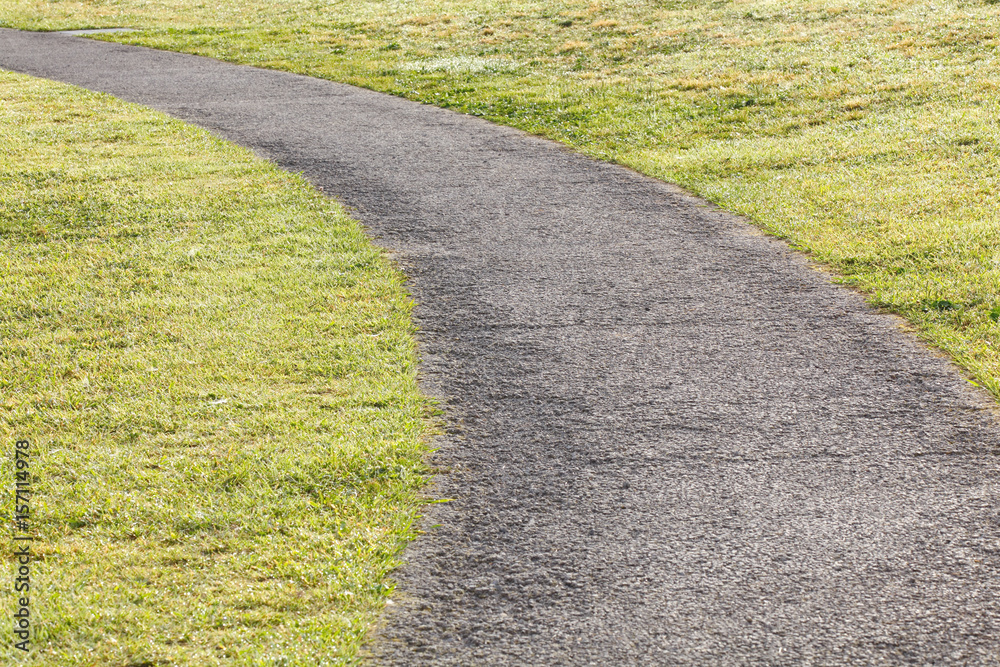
(866, 133)
(217, 372)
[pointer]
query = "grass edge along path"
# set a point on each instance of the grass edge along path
(216, 371)
(864, 134)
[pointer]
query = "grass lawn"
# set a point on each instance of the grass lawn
(217, 373)
(217, 369)
(865, 133)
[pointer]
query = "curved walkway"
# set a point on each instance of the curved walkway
(673, 441)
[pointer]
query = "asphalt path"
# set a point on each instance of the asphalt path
(671, 440)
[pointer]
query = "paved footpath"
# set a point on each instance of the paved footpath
(672, 442)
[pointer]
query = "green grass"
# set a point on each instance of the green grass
(152, 272)
(217, 372)
(864, 133)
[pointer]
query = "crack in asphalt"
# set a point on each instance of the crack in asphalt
(670, 440)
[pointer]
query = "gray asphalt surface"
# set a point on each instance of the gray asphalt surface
(672, 441)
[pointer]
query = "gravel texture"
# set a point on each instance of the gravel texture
(671, 440)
